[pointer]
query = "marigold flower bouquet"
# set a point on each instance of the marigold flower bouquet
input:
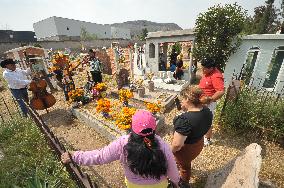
(104, 106)
(76, 95)
(124, 119)
(99, 91)
(153, 107)
(125, 95)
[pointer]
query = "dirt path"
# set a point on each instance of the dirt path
(226, 146)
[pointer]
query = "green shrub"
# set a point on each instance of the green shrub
(254, 110)
(26, 155)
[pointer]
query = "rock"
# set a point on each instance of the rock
(240, 172)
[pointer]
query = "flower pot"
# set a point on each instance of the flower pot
(151, 86)
(141, 92)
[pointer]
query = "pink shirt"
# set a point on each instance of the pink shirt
(114, 151)
(212, 83)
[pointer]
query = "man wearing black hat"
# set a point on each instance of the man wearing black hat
(17, 82)
(212, 85)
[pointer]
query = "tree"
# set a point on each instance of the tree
(144, 34)
(265, 19)
(217, 33)
(86, 36)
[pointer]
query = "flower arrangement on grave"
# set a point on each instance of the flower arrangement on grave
(99, 90)
(150, 76)
(76, 95)
(103, 106)
(121, 57)
(150, 82)
(154, 108)
(124, 119)
(59, 62)
(125, 95)
(139, 83)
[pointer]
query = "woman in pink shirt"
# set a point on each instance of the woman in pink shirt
(147, 160)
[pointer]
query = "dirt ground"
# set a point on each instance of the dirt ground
(76, 135)
(226, 146)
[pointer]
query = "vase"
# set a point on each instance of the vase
(151, 86)
(125, 103)
(141, 92)
(105, 114)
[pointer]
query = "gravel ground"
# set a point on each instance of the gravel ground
(226, 146)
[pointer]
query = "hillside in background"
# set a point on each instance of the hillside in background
(137, 26)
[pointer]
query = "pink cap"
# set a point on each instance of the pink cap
(142, 120)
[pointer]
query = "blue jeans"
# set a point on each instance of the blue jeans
(21, 95)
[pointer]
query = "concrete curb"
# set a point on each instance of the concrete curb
(107, 129)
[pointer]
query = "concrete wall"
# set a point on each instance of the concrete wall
(68, 44)
(120, 33)
(45, 28)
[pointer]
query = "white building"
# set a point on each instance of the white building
(57, 28)
(260, 58)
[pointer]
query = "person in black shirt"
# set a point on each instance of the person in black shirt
(179, 72)
(189, 129)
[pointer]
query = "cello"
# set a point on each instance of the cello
(41, 98)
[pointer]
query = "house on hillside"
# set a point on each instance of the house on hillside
(59, 29)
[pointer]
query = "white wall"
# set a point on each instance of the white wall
(45, 28)
(267, 43)
(102, 31)
(120, 33)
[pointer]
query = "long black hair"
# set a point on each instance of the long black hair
(144, 156)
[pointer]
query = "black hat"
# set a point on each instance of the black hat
(7, 62)
(208, 63)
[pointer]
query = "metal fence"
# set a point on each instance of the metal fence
(9, 109)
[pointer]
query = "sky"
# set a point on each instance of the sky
(19, 15)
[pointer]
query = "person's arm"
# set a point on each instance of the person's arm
(172, 171)
(218, 84)
(178, 142)
(16, 81)
(105, 155)
(27, 71)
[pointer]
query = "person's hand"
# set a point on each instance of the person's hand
(65, 157)
(206, 100)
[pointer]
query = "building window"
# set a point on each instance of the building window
(105, 32)
(151, 50)
(67, 28)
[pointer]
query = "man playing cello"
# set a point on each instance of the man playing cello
(17, 82)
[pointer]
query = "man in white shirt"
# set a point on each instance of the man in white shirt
(17, 82)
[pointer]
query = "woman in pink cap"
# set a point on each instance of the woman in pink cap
(147, 160)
